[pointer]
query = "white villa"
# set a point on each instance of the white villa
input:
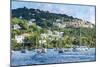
(19, 38)
(52, 35)
(58, 20)
(16, 26)
(60, 25)
(31, 22)
(78, 24)
(42, 42)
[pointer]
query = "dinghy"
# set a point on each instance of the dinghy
(60, 51)
(23, 51)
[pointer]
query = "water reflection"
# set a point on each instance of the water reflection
(51, 56)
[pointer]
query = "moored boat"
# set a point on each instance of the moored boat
(43, 50)
(80, 48)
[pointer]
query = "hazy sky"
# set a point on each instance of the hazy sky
(79, 11)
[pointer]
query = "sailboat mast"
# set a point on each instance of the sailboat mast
(80, 34)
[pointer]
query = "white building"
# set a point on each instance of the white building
(78, 24)
(43, 36)
(31, 22)
(16, 26)
(19, 38)
(58, 20)
(20, 17)
(42, 42)
(60, 25)
(50, 32)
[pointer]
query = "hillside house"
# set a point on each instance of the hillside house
(20, 38)
(16, 26)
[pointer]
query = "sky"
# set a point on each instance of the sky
(79, 11)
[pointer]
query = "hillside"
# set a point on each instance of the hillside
(31, 26)
(47, 19)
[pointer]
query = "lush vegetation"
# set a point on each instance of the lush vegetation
(70, 38)
(43, 18)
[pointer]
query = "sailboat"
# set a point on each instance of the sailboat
(23, 49)
(60, 50)
(42, 49)
(80, 47)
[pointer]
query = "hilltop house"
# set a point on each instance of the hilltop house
(32, 20)
(60, 25)
(58, 20)
(31, 14)
(79, 23)
(88, 25)
(76, 23)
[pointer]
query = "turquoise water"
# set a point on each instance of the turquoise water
(51, 57)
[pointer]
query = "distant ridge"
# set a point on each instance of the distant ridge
(45, 17)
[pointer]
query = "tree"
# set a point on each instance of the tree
(15, 45)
